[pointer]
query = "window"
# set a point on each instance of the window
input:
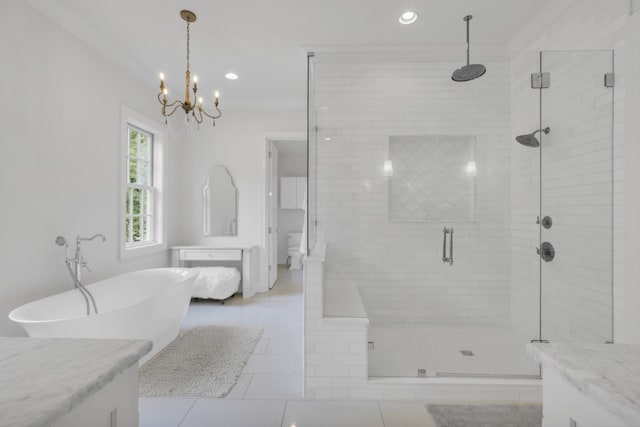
(142, 229)
(140, 192)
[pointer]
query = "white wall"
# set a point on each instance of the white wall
(397, 265)
(576, 188)
(570, 25)
(59, 158)
(289, 220)
(238, 142)
(631, 291)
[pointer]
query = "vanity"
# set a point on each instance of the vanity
(589, 385)
(220, 220)
(191, 256)
(69, 382)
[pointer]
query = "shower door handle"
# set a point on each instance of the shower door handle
(448, 259)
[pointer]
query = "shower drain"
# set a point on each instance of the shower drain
(467, 353)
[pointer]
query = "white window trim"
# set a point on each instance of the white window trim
(160, 138)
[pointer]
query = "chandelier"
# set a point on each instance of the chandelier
(190, 108)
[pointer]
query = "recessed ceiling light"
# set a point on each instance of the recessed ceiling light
(328, 138)
(231, 76)
(408, 17)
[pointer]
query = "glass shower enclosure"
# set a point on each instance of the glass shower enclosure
(465, 243)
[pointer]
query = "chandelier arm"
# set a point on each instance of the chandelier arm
(216, 116)
(198, 116)
(164, 113)
(167, 105)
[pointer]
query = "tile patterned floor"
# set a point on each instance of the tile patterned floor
(269, 391)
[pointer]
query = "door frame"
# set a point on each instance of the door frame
(268, 139)
(272, 220)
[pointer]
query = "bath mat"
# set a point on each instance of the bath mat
(204, 361)
(486, 415)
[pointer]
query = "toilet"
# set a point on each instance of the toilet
(294, 256)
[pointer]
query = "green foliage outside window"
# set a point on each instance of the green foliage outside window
(139, 191)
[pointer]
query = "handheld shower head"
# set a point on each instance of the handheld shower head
(530, 140)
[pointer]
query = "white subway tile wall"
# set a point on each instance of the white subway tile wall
(573, 25)
(577, 193)
(525, 196)
(397, 265)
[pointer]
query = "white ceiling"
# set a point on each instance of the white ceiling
(265, 41)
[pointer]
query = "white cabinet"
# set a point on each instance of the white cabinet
(564, 405)
(292, 191)
(115, 405)
(588, 384)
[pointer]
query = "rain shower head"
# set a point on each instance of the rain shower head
(469, 71)
(530, 139)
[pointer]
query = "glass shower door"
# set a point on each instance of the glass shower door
(576, 209)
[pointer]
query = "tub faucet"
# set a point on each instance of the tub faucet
(79, 261)
(74, 266)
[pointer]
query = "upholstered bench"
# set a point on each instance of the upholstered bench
(218, 283)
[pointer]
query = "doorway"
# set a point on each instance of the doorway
(286, 202)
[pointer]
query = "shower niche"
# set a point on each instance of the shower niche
(432, 178)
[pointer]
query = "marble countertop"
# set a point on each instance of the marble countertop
(43, 379)
(608, 373)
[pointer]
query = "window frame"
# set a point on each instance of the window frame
(133, 119)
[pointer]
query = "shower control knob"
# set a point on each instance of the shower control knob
(547, 253)
(546, 222)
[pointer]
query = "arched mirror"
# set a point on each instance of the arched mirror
(219, 204)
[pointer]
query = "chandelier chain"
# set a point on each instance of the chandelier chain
(188, 37)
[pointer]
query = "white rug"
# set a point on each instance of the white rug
(204, 361)
(486, 415)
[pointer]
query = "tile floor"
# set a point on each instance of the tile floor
(268, 393)
(398, 353)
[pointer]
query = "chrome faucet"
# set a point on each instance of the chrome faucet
(78, 262)
(74, 266)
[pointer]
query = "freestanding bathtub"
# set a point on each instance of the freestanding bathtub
(147, 304)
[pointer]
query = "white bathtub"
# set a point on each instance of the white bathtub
(148, 304)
